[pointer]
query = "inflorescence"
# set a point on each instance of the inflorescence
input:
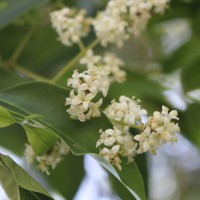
(50, 159)
(130, 135)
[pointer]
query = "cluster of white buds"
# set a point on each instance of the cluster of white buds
(116, 144)
(110, 29)
(125, 114)
(110, 63)
(70, 25)
(158, 130)
(50, 159)
(86, 86)
(121, 18)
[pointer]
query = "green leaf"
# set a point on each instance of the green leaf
(40, 98)
(29, 195)
(41, 138)
(13, 138)
(12, 77)
(129, 176)
(22, 179)
(73, 169)
(12, 9)
(8, 182)
(48, 100)
(189, 123)
(6, 119)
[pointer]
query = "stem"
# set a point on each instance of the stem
(81, 45)
(136, 126)
(140, 127)
(73, 61)
(29, 74)
(20, 48)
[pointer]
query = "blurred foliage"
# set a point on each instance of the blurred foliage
(44, 55)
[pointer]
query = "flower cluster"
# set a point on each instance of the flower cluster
(158, 130)
(110, 63)
(121, 145)
(122, 18)
(125, 114)
(86, 86)
(50, 159)
(114, 25)
(70, 25)
(119, 20)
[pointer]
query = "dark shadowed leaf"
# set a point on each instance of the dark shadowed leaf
(13, 9)
(8, 182)
(23, 180)
(9, 79)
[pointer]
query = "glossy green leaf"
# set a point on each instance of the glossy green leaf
(40, 137)
(23, 180)
(12, 9)
(129, 176)
(9, 79)
(14, 139)
(71, 170)
(8, 182)
(29, 195)
(6, 119)
(48, 100)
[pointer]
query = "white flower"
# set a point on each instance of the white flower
(110, 29)
(50, 159)
(158, 130)
(129, 147)
(70, 25)
(90, 60)
(86, 86)
(109, 137)
(123, 18)
(29, 154)
(117, 7)
(125, 111)
(111, 155)
(160, 5)
(122, 143)
(112, 64)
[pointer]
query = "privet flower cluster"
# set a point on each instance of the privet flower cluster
(110, 63)
(85, 87)
(70, 25)
(114, 25)
(126, 114)
(50, 159)
(117, 143)
(123, 18)
(158, 130)
(119, 20)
